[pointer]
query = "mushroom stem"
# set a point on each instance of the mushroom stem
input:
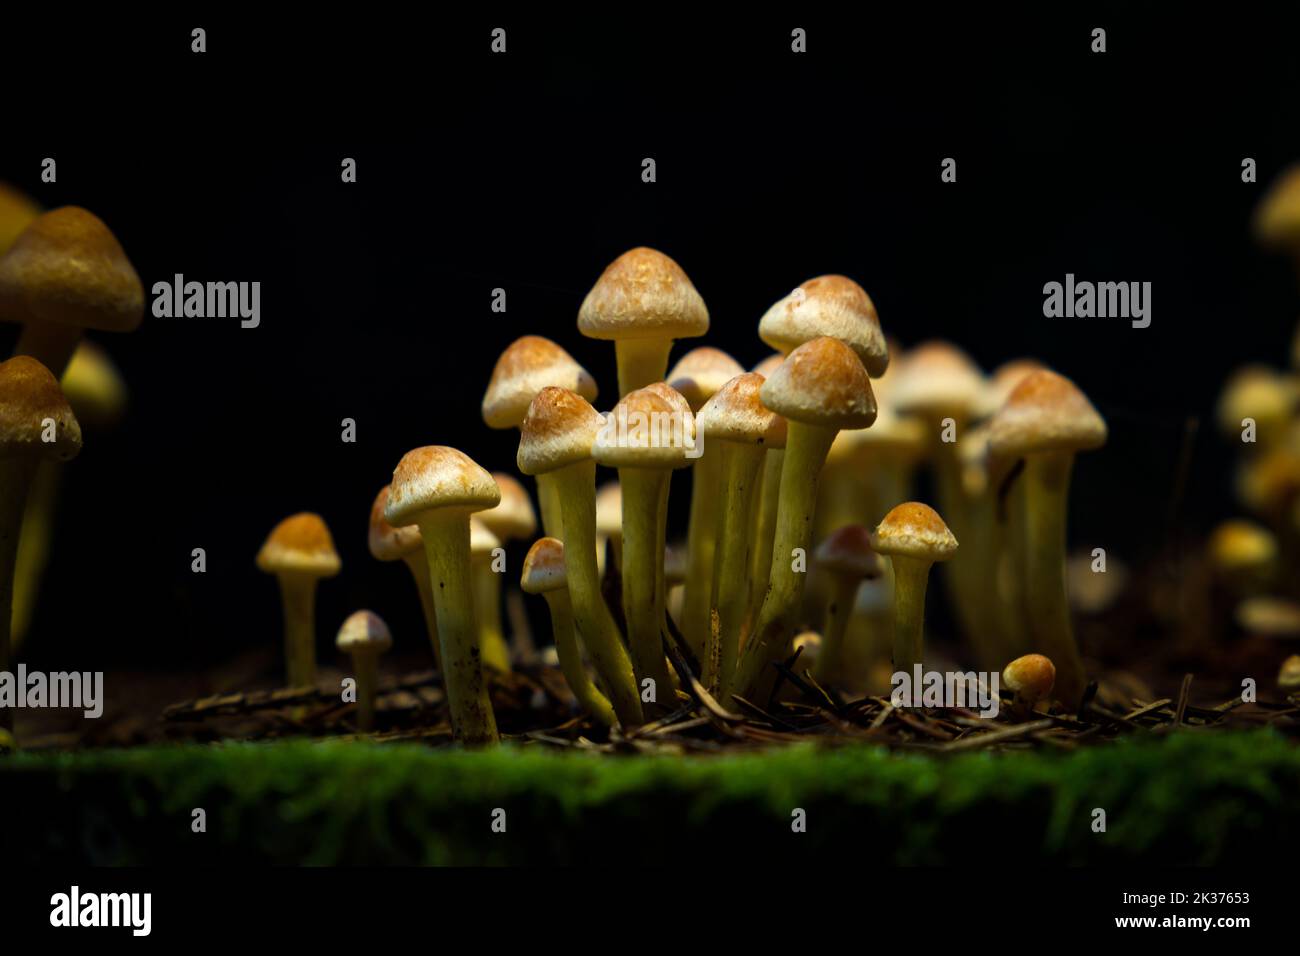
(740, 466)
(766, 502)
(446, 548)
(641, 362)
(643, 593)
(298, 593)
(15, 478)
(566, 646)
(549, 500)
(805, 452)
(576, 489)
(34, 546)
(365, 664)
(419, 567)
(832, 660)
(50, 343)
(487, 604)
(701, 549)
(910, 578)
(1047, 487)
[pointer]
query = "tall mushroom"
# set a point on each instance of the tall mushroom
(438, 488)
(528, 365)
(1045, 421)
(648, 434)
(364, 636)
(821, 388)
(697, 376)
(642, 301)
(36, 424)
(299, 552)
(555, 439)
(66, 272)
(404, 544)
(544, 573)
(847, 558)
(738, 430)
(913, 537)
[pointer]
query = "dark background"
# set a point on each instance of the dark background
(523, 171)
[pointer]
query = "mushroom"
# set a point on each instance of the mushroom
(66, 273)
(1263, 395)
(1288, 678)
(830, 305)
(846, 556)
(697, 376)
(36, 424)
(1243, 556)
(487, 596)
(609, 524)
(1046, 420)
(364, 636)
(1277, 217)
(404, 544)
(1031, 678)
(738, 430)
(528, 365)
(913, 536)
(16, 213)
(438, 488)
(642, 301)
(544, 573)
(555, 439)
(647, 435)
(299, 552)
(820, 388)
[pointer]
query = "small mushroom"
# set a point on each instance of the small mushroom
(642, 301)
(555, 439)
(1288, 678)
(299, 552)
(1031, 678)
(914, 537)
(404, 544)
(364, 636)
(848, 560)
(830, 305)
(1243, 556)
(65, 273)
(36, 424)
(1263, 395)
(544, 573)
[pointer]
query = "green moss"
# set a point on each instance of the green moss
(1189, 798)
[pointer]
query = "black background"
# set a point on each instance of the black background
(523, 171)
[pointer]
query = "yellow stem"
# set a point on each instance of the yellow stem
(910, 578)
(419, 567)
(566, 646)
(701, 545)
(643, 596)
(15, 479)
(549, 500)
(741, 466)
(298, 593)
(833, 658)
(641, 362)
(766, 502)
(365, 664)
(487, 606)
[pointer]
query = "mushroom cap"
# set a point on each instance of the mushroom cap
(914, 530)
(643, 294)
(364, 630)
(769, 365)
(93, 385)
(736, 413)
(646, 429)
(700, 373)
(1045, 412)
(1030, 677)
(1000, 385)
(822, 382)
(300, 544)
(527, 366)
(1277, 217)
(16, 213)
(558, 430)
(937, 380)
(514, 517)
(29, 397)
(1258, 392)
(1288, 677)
(436, 476)
(609, 509)
(482, 542)
(830, 305)
(68, 268)
(1269, 482)
(1242, 545)
(848, 551)
(544, 567)
(386, 542)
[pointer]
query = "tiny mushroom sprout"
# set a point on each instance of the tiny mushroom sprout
(528, 365)
(299, 552)
(833, 306)
(66, 273)
(821, 388)
(1045, 421)
(1031, 679)
(544, 573)
(642, 301)
(1288, 678)
(555, 439)
(697, 376)
(848, 560)
(404, 544)
(487, 596)
(364, 636)
(913, 536)
(36, 424)
(738, 429)
(438, 488)
(648, 434)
